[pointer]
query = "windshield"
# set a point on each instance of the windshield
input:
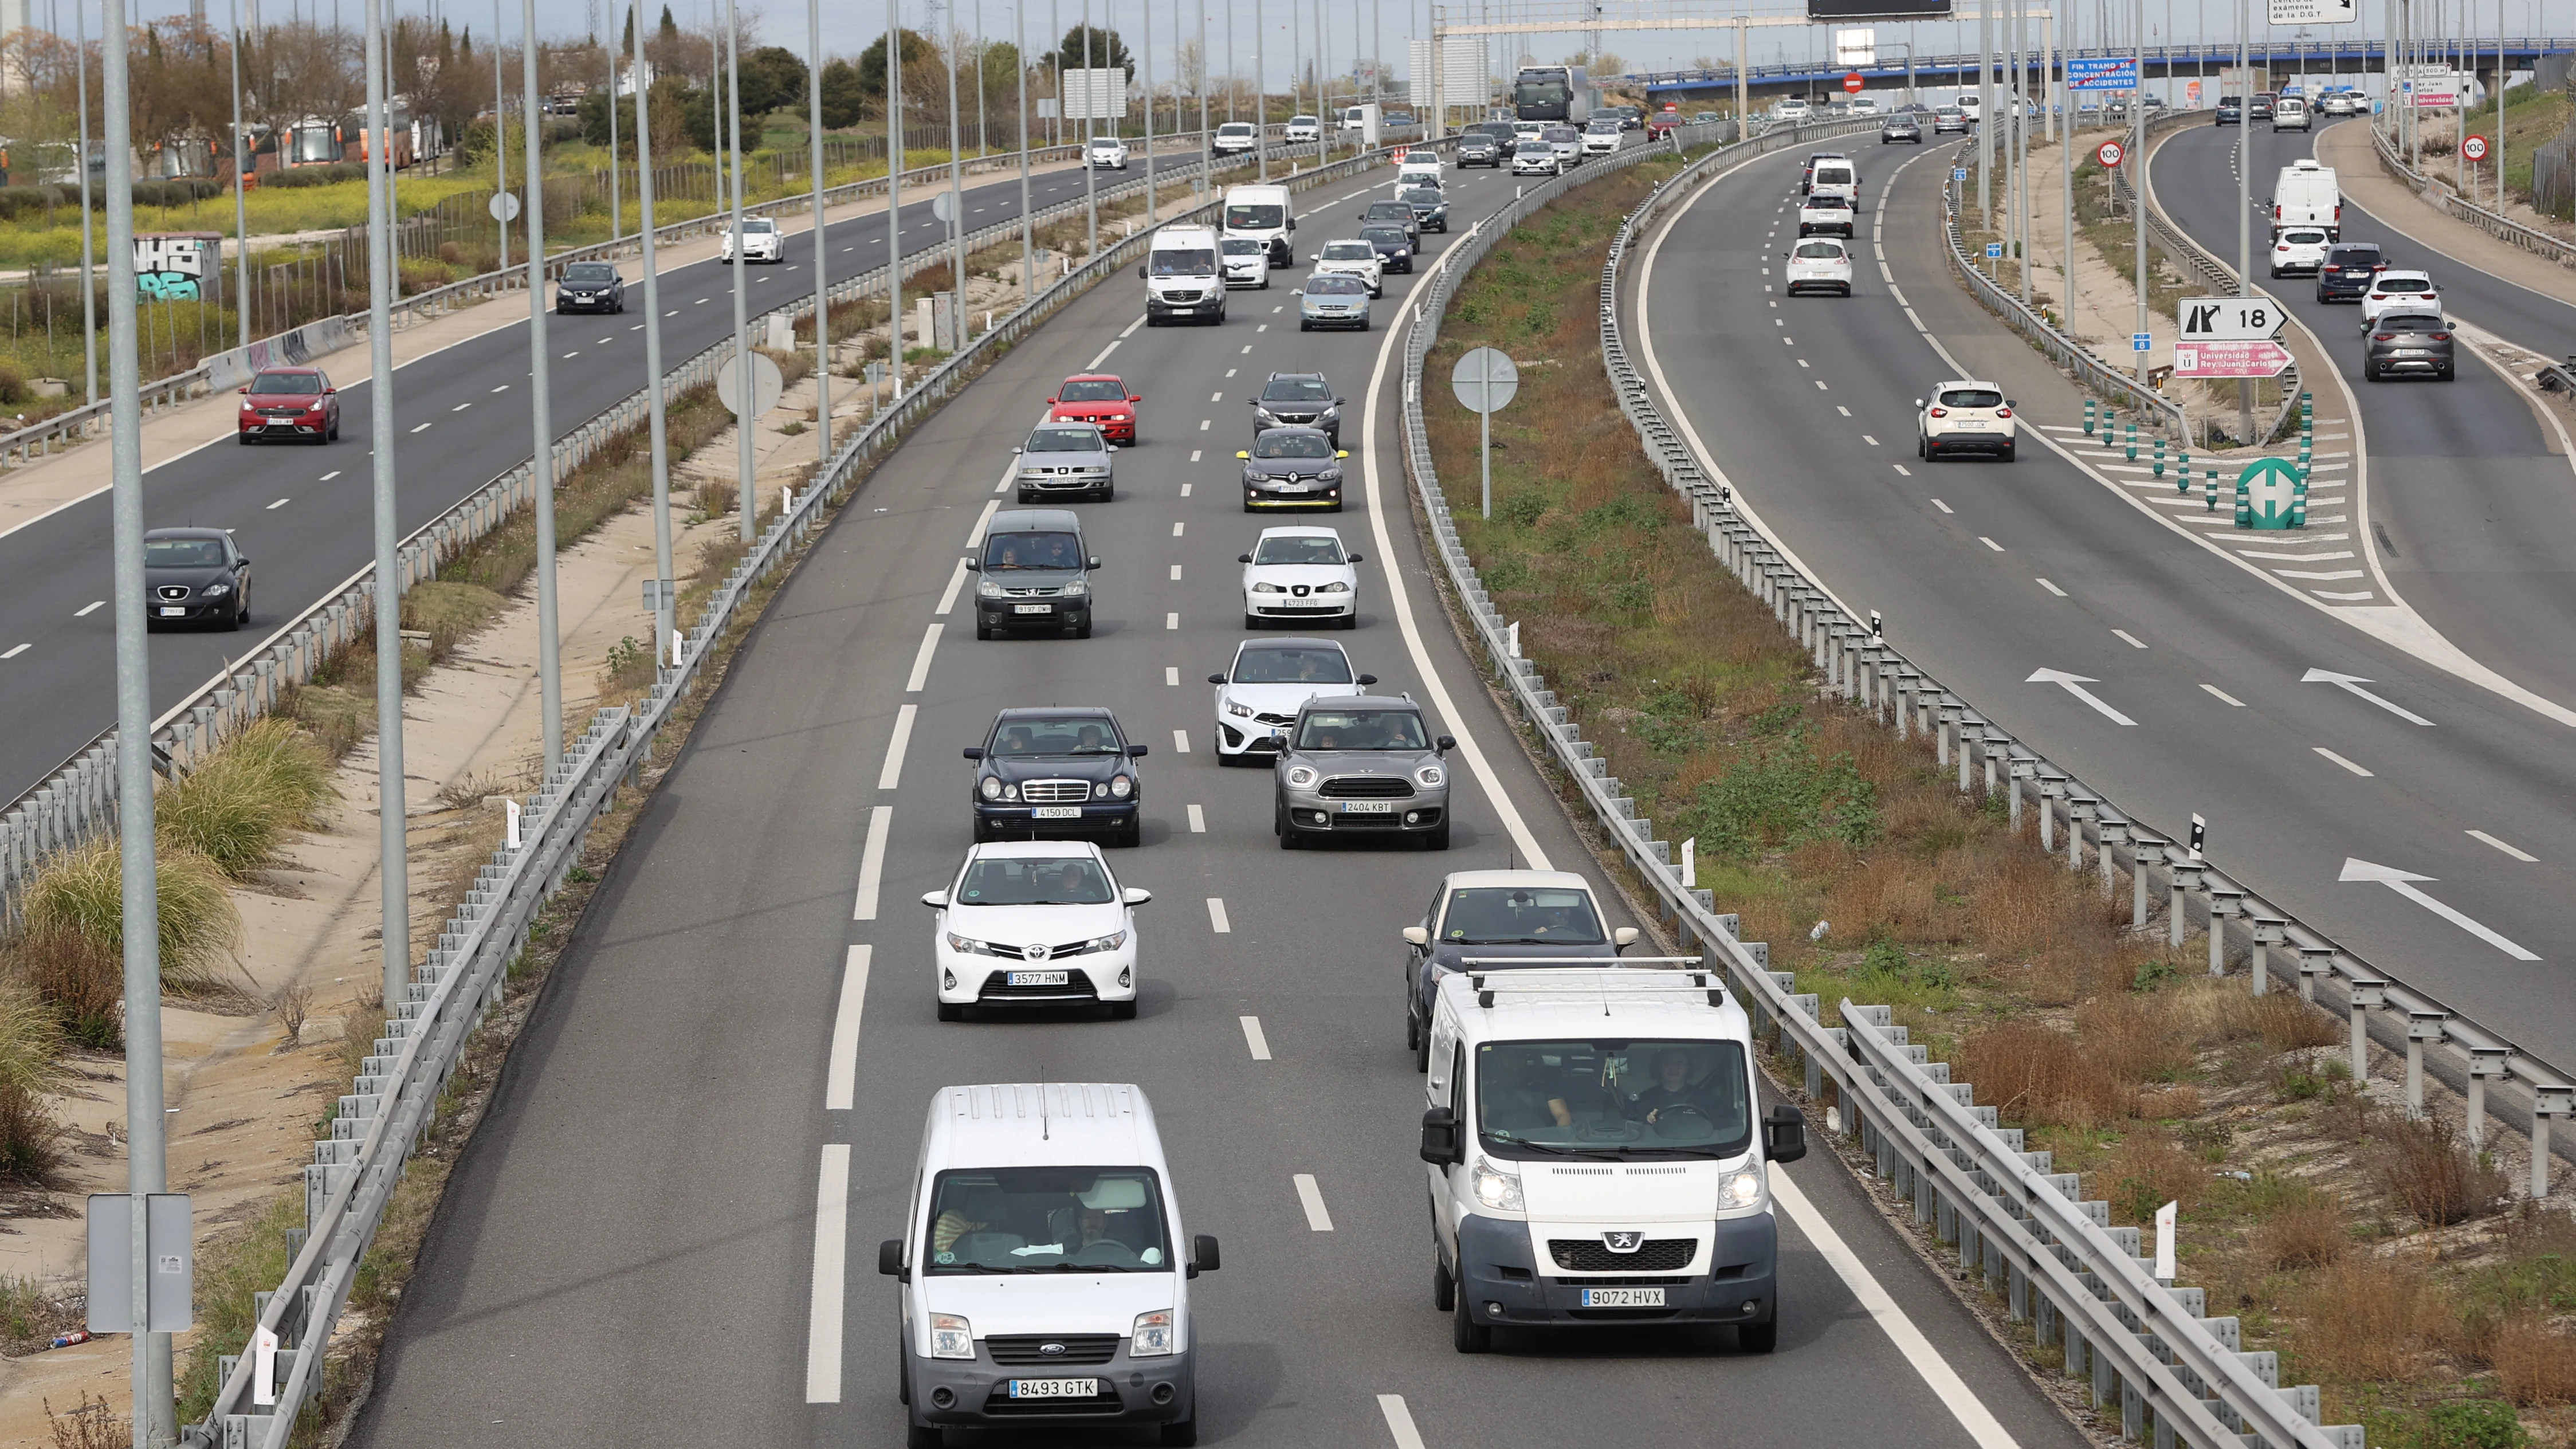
(1299, 548)
(1558, 135)
(1065, 440)
(590, 272)
(1336, 286)
(2304, 238)
(273, 384)
(1047, 1220)
(1609, 126)
(1099, 389)
(1060, 551)
(1612, 1099)
(182, 553)
(759, 226)
(1284, 664)
(1827, 201)
(1361, 729)
(1235, 128)
(1389, 210)
(2355, 256)
(1385, 236)
(1060, 880)
(1348, 251)
(1544, 95)
(1971, 397)
(1820, 251)
(1104, 143)
(1291, 443)
(1185, 262)
(2399, 282)
(1242, 246)
(1833, 176)
(1246, 216)
(1521, 916)
(2412, 322)
(1028, 736)
(1302, 121)
(1296, 389)
(1423, 196)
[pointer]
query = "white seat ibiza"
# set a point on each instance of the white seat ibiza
(1819, 264)
(1035, 923)
(1257, 698)
(1300, 573)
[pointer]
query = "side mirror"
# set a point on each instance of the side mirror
(1447, 743)
(1440, 1138)
(1136, 752)
(1342, 453)
(1216, 679)
(1015, 452)
(1140, 397)
(243, 390)
(1140, 272)
(1337, 402)
(1368, 679)
(1051, 402)
(328, 391)
(1784, 1134)
(2008, 402)
(974, 752)
(1243, 557)
(1417, 935)
(1354, 558)
(890, 1257)
(974, 566)
(1247, 558)
(1918, 402)
(1092, 563)
(1204, 1257)
(1136, 895)
(1623, 937)
(936, 900)
(1297, 292)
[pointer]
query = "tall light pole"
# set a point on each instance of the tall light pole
(2138, 150)
(894, 194)
(1261, 92)
(541, 417)
(746, 415)
(664, 605)
(500, 141)
(982, 143)
(1090, 195)
(1028, 223)
(1985, 109)
(241, 202)
(2244, 219)
(822, 289)
(392, 865)
(1207, 151)
(89, 273)
(1146, 9)
(616, 203)
(956, 338)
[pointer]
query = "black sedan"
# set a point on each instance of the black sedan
(1394, 248)
(590, 287)
(1292, 468)
(1430, 208)
(1478, 149)
(2348, 270)
(194, 576)
(1058, 771)
(1392, 213)
(1900, 127)
(2408, 344)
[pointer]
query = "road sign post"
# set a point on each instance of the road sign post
(2229, 319)
(1852, 84)
(1485, 380)
(2111, 154)
(2473, 149)
(2102, 73)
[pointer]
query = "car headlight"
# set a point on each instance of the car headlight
(1237, 710)
(1268, 588)
(1497, 1187)
(991, 788)
(217, 591)
(1076, 589)
(1328, 415)
(968, 945)
(951, 1337)
(1122, 787)
(987, 589)
(1010, 792)
(250, 407)
(1740, 1189)
(1430, 777)
(1301, 777)
(1110, 942)
(1329, 475)
(1152, 1335)
(1258, 411)
(1337, 586)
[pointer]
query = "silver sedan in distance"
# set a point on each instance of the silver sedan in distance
(1067, 460)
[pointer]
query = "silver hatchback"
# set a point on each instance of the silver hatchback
(1332, 299)
(1363, 765)
(1066, 460)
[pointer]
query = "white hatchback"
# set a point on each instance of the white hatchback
(2300, 249)
(1964, 416)
(1035, 923)
(1418, 168)
(1258, 696)
(761, 241)
(2396, 291)
(1819, 264)
(1300, 572)
(1108, 153)
(1303, 128)
(1534, 157)
(1247, 262)
(1353, 259)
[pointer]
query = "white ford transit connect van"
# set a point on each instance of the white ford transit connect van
(1044, 1282)
(1596, 1156)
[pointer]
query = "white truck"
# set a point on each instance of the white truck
(1262, 213)
(1596, 1153)
(1183, 279)
(2305, 195)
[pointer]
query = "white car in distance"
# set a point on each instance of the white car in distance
(1107, 153)
(1353, 259)
(1300, 572)
(1819, 264)
(1234, 138)
(1302, 128)
(1258, 696)
(1419, 168)
(761, 241)
(1965, 416)
(1247, 262)
(2300, 249)
(2399, 291)
(1035, 923)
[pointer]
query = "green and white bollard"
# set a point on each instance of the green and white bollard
(2133, 440)
(2089, 406)
(2299, 501)
(2213, 490)
(2160, 457)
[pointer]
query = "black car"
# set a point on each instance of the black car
(195, 576)
(1478, 149)
(1393, 213)
(1430, 207)
(2348, 269)
(1394, 248)
(2231, 112)
(1900, 127)
(2408, 344)
(1292, 468)
(1058, 771)
(1297, 400)
(1631, 118)
(2262, 107)
(590, 287)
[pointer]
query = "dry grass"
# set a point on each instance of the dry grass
(2433, 1174)
(91, 1423)
(81, 980)
(291, 1005)
(2371, 1320)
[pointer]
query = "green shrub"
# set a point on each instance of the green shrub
(30, 1062)
(1780, 793)
(83, 892)
(2473, 1424)
(237, 807)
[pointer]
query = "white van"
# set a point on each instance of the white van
(1183, 281)
(2305, 194)
(1020, 1187)
(1580, 1124)
(1262, 213)
(2289, 113)
(1836, 177)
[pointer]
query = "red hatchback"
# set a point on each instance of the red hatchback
(298, 404)
(1096, 397)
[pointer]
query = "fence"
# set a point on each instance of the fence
(2550, 168)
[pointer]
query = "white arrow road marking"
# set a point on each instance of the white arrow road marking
(2074, 685)
(2403, 882)
(2352, 683)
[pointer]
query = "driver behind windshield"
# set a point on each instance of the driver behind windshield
(1671, 1090)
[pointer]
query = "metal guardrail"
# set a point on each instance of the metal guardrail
(387, 1113)
(2495, 224)
(2146, 1345)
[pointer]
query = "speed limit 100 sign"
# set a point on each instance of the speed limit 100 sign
(2110, 154)
(2473, 148)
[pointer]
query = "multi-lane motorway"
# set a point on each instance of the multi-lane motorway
(1988, 573)
(664, 1227)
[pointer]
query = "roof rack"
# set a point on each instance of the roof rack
(1592, 983)
(1596, 962)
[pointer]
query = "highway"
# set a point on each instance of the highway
(2469, 488)
(304, 514)
(630, 1244)
(2067, 560)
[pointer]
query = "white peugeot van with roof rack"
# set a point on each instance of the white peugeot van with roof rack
(1044, 1282)
(1597, 1156)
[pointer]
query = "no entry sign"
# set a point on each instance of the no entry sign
(2110, 155)
(1852, 84)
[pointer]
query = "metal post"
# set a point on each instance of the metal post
(616, 203)
(1090, 192)
(2365, 995)
(241, 199)
(2244, 214)
(1985, 112)
(2314, 961)
(1145, 8)
(2421, 1027)
(728, 128)
(894, 191)
(957, 201)
(1028, 225)
(1485, 440)
(2546, 1102)
(392, 831)
(1261, 86)
(822, 290)
(2486, 1064)
(500, 137)
(665, 606)
(1207, 152)
(2138, 194)
(1743, 93)
(549, 644)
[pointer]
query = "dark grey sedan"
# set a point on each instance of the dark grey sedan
(195, 576)
(1900, 127)
(1394, 248)
(2408, 344)
(590, 287)
(1292, 468)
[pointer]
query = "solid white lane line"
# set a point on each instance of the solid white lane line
(2224, 696)
(1253, 1038)
(831, 1274)
(1198, 820)
(1311, 1198)
(893, 769)
(2045, 584)
(281, 503)
(841, 1074)
(872, 862)
(921, 662)
(2340, 760)
(2498, 844)
(956, 584)
(983, 521)
(2129, 639)
(1216, 917)
(92, 607)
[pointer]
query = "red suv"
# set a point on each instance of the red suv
(295, 403)
(1096, 397)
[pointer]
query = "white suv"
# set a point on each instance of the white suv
(2396, 291)
(1353, 259)
(1819, 264)
(1302, 128)
(2300, 249)
(761, 241)
(1035, 923)
(1258, 696)
(1964, 416)
(1234, 138)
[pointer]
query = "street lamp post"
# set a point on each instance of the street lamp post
(822, 288)
(1028, 225)
(89, 273)
(241, 199)
(894, 195)
(728, 128)
(392, 830)
(500, 141)
(549, 643)
(665, 607)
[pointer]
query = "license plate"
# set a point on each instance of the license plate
(2413, 352)
(1033, 608)
(1055, 812)
(1055, 1388)
(1176, 311)
(1623, 1297)
(1042, 978)
(1971, 424)
(173, 613)
(1368, 807)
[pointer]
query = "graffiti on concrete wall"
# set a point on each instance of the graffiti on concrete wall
(176, 266)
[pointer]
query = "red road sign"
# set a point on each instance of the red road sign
(2230, 359)
(2111, 154)
(2473, 148)
(1852, 84)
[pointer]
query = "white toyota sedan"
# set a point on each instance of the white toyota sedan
(1035, 923)
(1819, 264)
(1108, 153)
(1300, 572)
(761, 241)
(1271, 679)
